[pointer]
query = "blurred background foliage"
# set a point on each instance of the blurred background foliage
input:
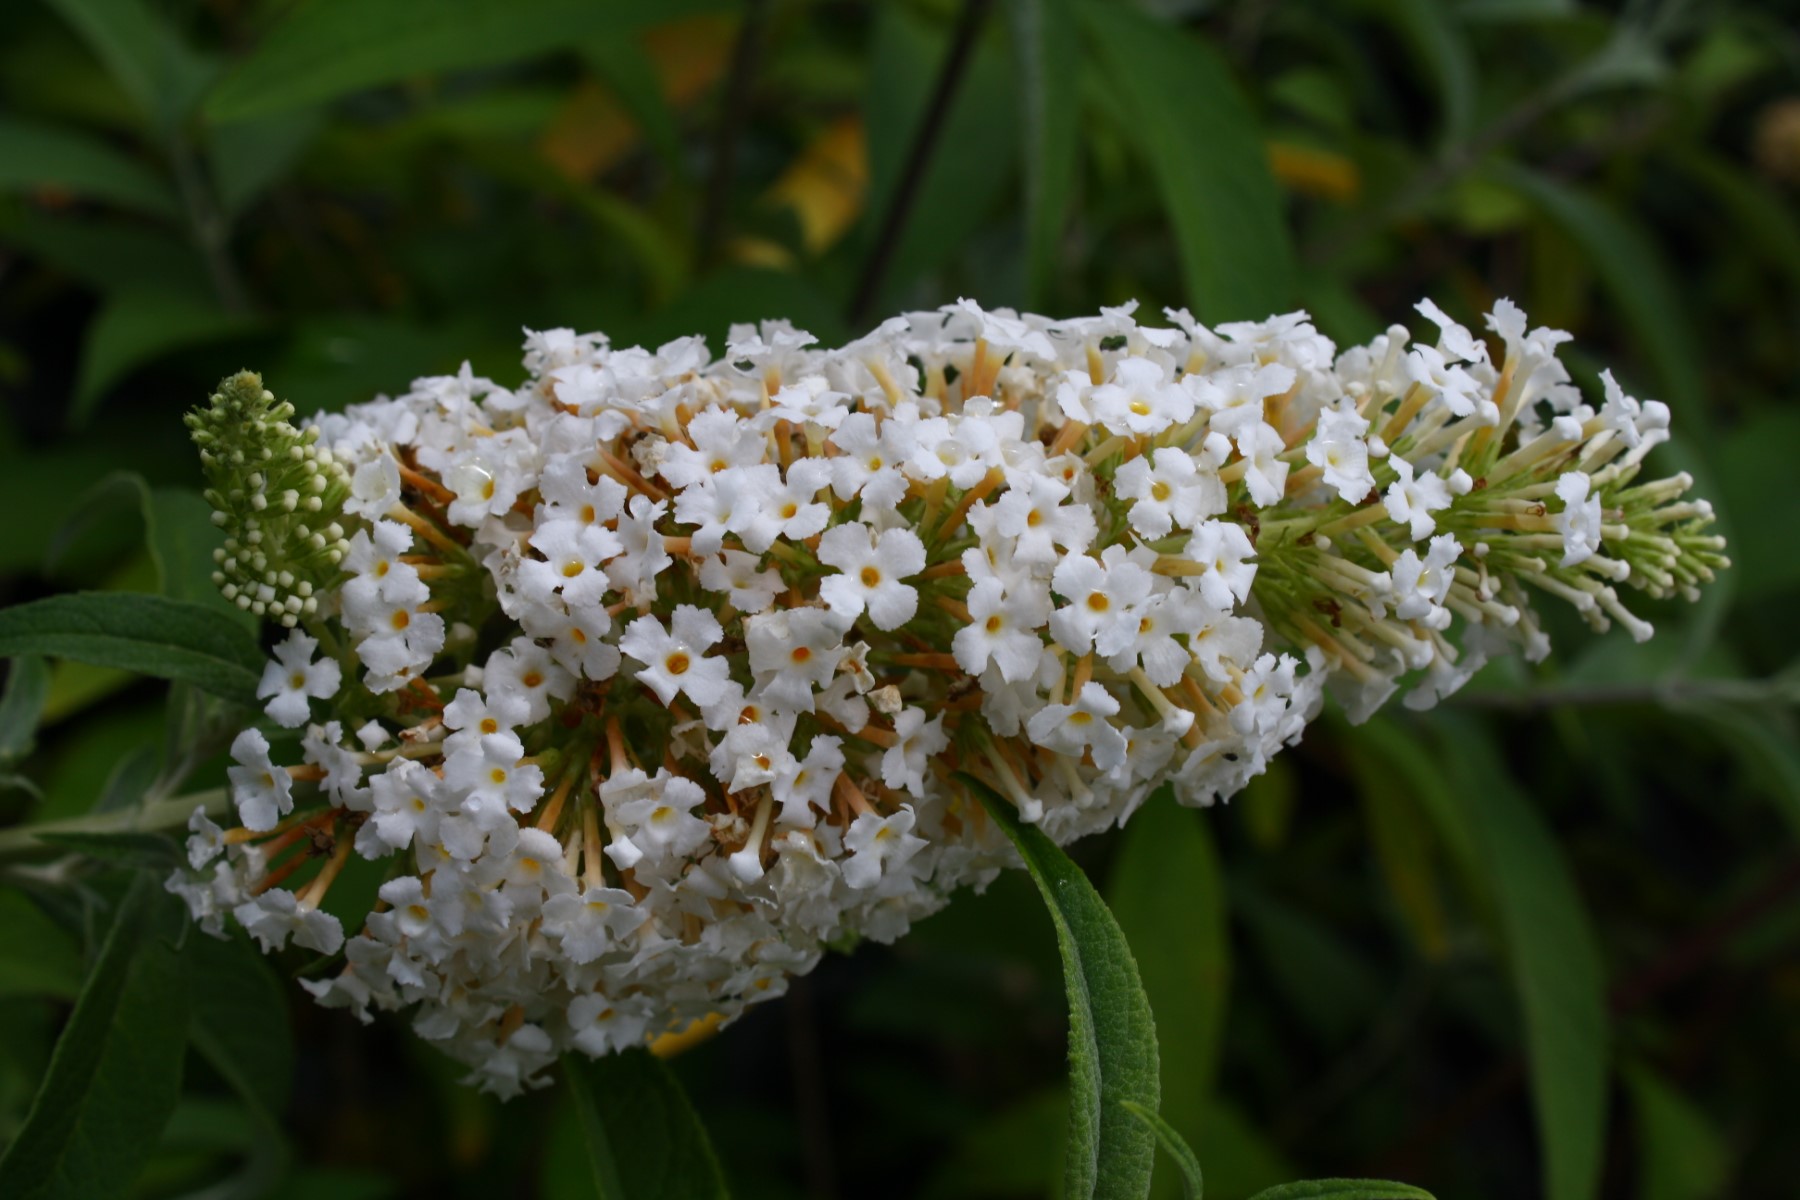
(1541, 941)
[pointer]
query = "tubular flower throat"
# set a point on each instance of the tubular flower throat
(653, 678)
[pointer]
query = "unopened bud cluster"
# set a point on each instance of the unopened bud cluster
(278, 496)
(652, 678)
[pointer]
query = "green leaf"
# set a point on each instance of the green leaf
(107, 253)
(1386, 753)
(115, 1075)
(34, 155)
(1635, 274)
(1404, 850)
(179, 529)
(1237, 1152)
(630, 74)
(131, 777)
(1165, 891)
(248, 156)
(152, 635)
(1197, 134)
(96, 511)
(643, 1136)
(1767, 750)
(962, 183)
(1192, 1184)
(1047, 60)
(154, 67)
(239, 1021)
(1334, 989)
(1554, 958)
(22, 705)
(329, 48)
(1112, 1037)
(1343, 1189)
(153, 851)
(37, 956)
(1752, 207)
(1430, 30)
(1753, 481)
(1002, 1153)
(138, 327)
(1681, 1156)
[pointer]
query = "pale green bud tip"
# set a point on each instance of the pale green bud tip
(259, 469)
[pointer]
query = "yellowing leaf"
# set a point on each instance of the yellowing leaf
(827, 186)
(1405, 851)
(1314, 172)
(594, 130)
(590, 132)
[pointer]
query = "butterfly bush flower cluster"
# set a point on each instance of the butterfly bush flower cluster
(644, 683)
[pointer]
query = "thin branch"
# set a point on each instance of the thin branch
(1669, 693)
(25, 840)
(717, 204)
(918, 157)
(811, 1098)
(207, 225)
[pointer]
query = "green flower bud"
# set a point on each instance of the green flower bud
(278, 497)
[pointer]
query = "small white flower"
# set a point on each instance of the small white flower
(206, 840)
(491, 776)
(674, 659)
(1420, 585)
(917, 739)
(590, 923)
(1032, 511)
(262, 791)
(793, 651)
(879, 845)
(750, 585)
(804, 785)
(1100, 595)
(1340, 448)
(1141, 399)
(294, 677)
(1170, 487)
(1080, 727)
(872, 568)
(1579, 520)
(1411, 501)
(1265, 475)
(1002, 629)
(1223, 550)
(275, 915)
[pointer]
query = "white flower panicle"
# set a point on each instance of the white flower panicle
(656, 676)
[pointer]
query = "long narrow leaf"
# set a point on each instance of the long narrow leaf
(1166, 891)
(1047, 54)
(1635, 273)
(1555, 965)
(136, 328)
(152, 635)
(34, 155)
(1112, 1037)
(1199, 138)
(1343, 1189)
(116, 1072)
(643, 1137)
(22, 706)
(1193, 1184)
(329, 48)
(150, 62)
